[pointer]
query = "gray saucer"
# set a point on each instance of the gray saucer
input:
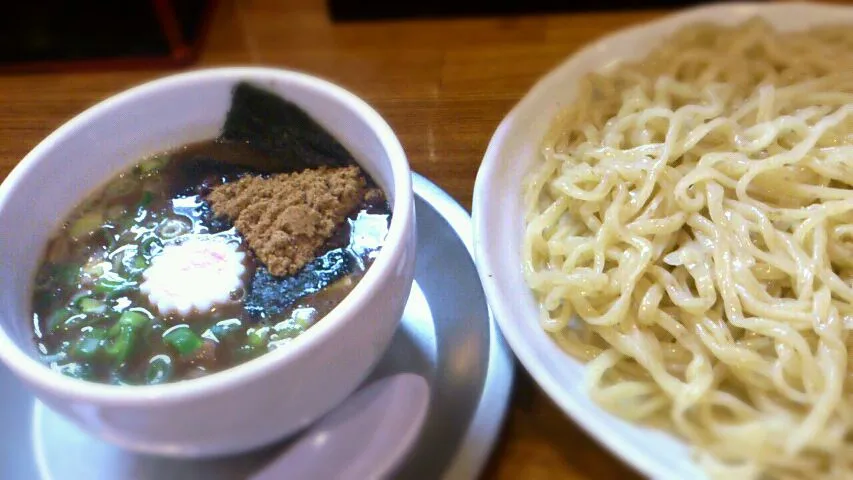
(447, 337)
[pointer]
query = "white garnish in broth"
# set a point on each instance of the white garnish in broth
(194, 276)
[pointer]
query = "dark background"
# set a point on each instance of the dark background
(46, 33)
(79, 34)
(344, 10)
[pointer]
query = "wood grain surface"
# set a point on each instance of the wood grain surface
(443, 85)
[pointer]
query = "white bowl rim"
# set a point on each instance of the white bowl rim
(483, 188)
(37, 373)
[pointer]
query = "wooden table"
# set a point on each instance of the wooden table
(443, 85)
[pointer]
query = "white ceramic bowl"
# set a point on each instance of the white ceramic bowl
(498, 224)
(248, 405)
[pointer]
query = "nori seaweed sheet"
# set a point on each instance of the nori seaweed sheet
(273, 295)
(280, 128)
(284, 132)
(198, 174)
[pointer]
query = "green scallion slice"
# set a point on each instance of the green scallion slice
(183, 340)
(91, 305)
(159, 369)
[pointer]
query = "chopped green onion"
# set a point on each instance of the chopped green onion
(125, 332)
(66, 273)
(125, 259)
(304, 316)
(223, 328)
(112, 285)
(183, 339)
(289, 328)
(57, 274)
(75, 299)
(159, 369)
(87, 224)
(58, 318)
(122, 345)
(114, 330)
(76, 321)
(133, 319)
(108, 283)
(97, 269)
(135, 264)
(152, 164)
(91, 305)
(96, 332)
(89, 344)
(257, 337)
(151, 246)
(140, 262)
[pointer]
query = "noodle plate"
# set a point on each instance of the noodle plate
(689, 234)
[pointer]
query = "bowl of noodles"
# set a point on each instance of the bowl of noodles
(664, 229)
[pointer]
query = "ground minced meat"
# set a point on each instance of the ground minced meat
(286, 218)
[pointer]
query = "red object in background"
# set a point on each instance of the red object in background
(56, 35)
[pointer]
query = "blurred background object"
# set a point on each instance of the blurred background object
(40, 35)
(93, 34)
(377, 9)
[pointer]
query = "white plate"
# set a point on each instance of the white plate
(498, 224)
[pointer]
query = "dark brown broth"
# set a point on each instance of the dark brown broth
(126, 219)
